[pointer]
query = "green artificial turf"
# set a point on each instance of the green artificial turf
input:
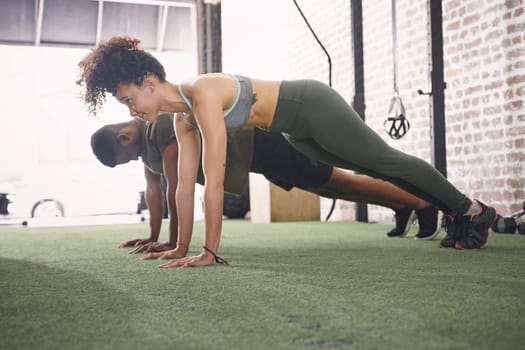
(308, 285)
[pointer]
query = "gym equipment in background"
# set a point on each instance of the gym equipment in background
(511, 223)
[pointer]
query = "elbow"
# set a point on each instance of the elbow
(185, 189)
(214, 184)
(153, 192)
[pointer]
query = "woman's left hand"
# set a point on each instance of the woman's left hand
(153, 247)
(192, 261)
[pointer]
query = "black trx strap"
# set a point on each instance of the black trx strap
(396, 125)
(319, 42)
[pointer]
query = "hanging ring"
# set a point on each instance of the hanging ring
(396, 125)
(396, 128)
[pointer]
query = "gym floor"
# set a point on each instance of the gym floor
(308, 285)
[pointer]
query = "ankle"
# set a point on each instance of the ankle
(475, 208)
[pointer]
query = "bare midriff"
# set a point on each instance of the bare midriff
(263, 110)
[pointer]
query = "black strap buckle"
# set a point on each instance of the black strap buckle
(396, 125)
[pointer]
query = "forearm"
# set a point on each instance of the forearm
(185, 207)
(213, 208)
(174, 222)
(155, 208)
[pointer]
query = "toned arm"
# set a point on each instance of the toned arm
(208, 113)
(154, 201)
(169, 163)
(188, 161)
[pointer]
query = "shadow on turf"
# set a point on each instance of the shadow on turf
(44, 307)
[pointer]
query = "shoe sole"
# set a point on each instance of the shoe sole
(411, 218)
(435, 233)
(459, 247)
(443, 246)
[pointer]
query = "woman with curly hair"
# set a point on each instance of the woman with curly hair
(312, 116)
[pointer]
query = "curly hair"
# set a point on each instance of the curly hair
(118, 60)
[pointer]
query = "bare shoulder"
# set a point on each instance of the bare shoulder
(217, 87)
(211, 81)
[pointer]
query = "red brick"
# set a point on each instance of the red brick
(515, 28)
(515, 157)
(468, 20)
(509, 94)
(494, 35)
(494, 134)
(515, 207)
(473, 89)
(492, 182)
(507, 196)
(514, 105)
(519, 63)
(517, 53)
(496, 121)
(510, 4)
(472, 114)
(476, 184)
(453, 26)
(493, 85)
(513, 183)
(508, 119)
(450, 5)
(453, 72)
(517, 79)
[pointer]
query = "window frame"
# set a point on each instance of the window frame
(163, 7)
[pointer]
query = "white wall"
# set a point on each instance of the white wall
(45, 129)
(262, 39)
(255, 38)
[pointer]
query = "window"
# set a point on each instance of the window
(69, 22)
(159, 24)
(177, 38)
(138, 21)
(17, 21)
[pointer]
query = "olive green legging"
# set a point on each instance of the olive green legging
(318, 122)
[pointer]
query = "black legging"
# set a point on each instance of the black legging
(318, 122)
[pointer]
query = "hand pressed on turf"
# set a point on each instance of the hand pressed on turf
(192, 261)
(135, 242)
(177, 253)
(153, 247)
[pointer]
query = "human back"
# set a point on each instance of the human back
(254, 99)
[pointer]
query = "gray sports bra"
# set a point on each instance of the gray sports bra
(237, 115)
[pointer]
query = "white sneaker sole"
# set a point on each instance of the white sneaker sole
(411, 218)
(438, 228)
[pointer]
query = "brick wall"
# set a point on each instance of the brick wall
(485, 71)
(484, 49)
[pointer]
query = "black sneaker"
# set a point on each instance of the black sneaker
(476, 228)
(404, 219)
(504, 225)
(429, 220)
(453, 228)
